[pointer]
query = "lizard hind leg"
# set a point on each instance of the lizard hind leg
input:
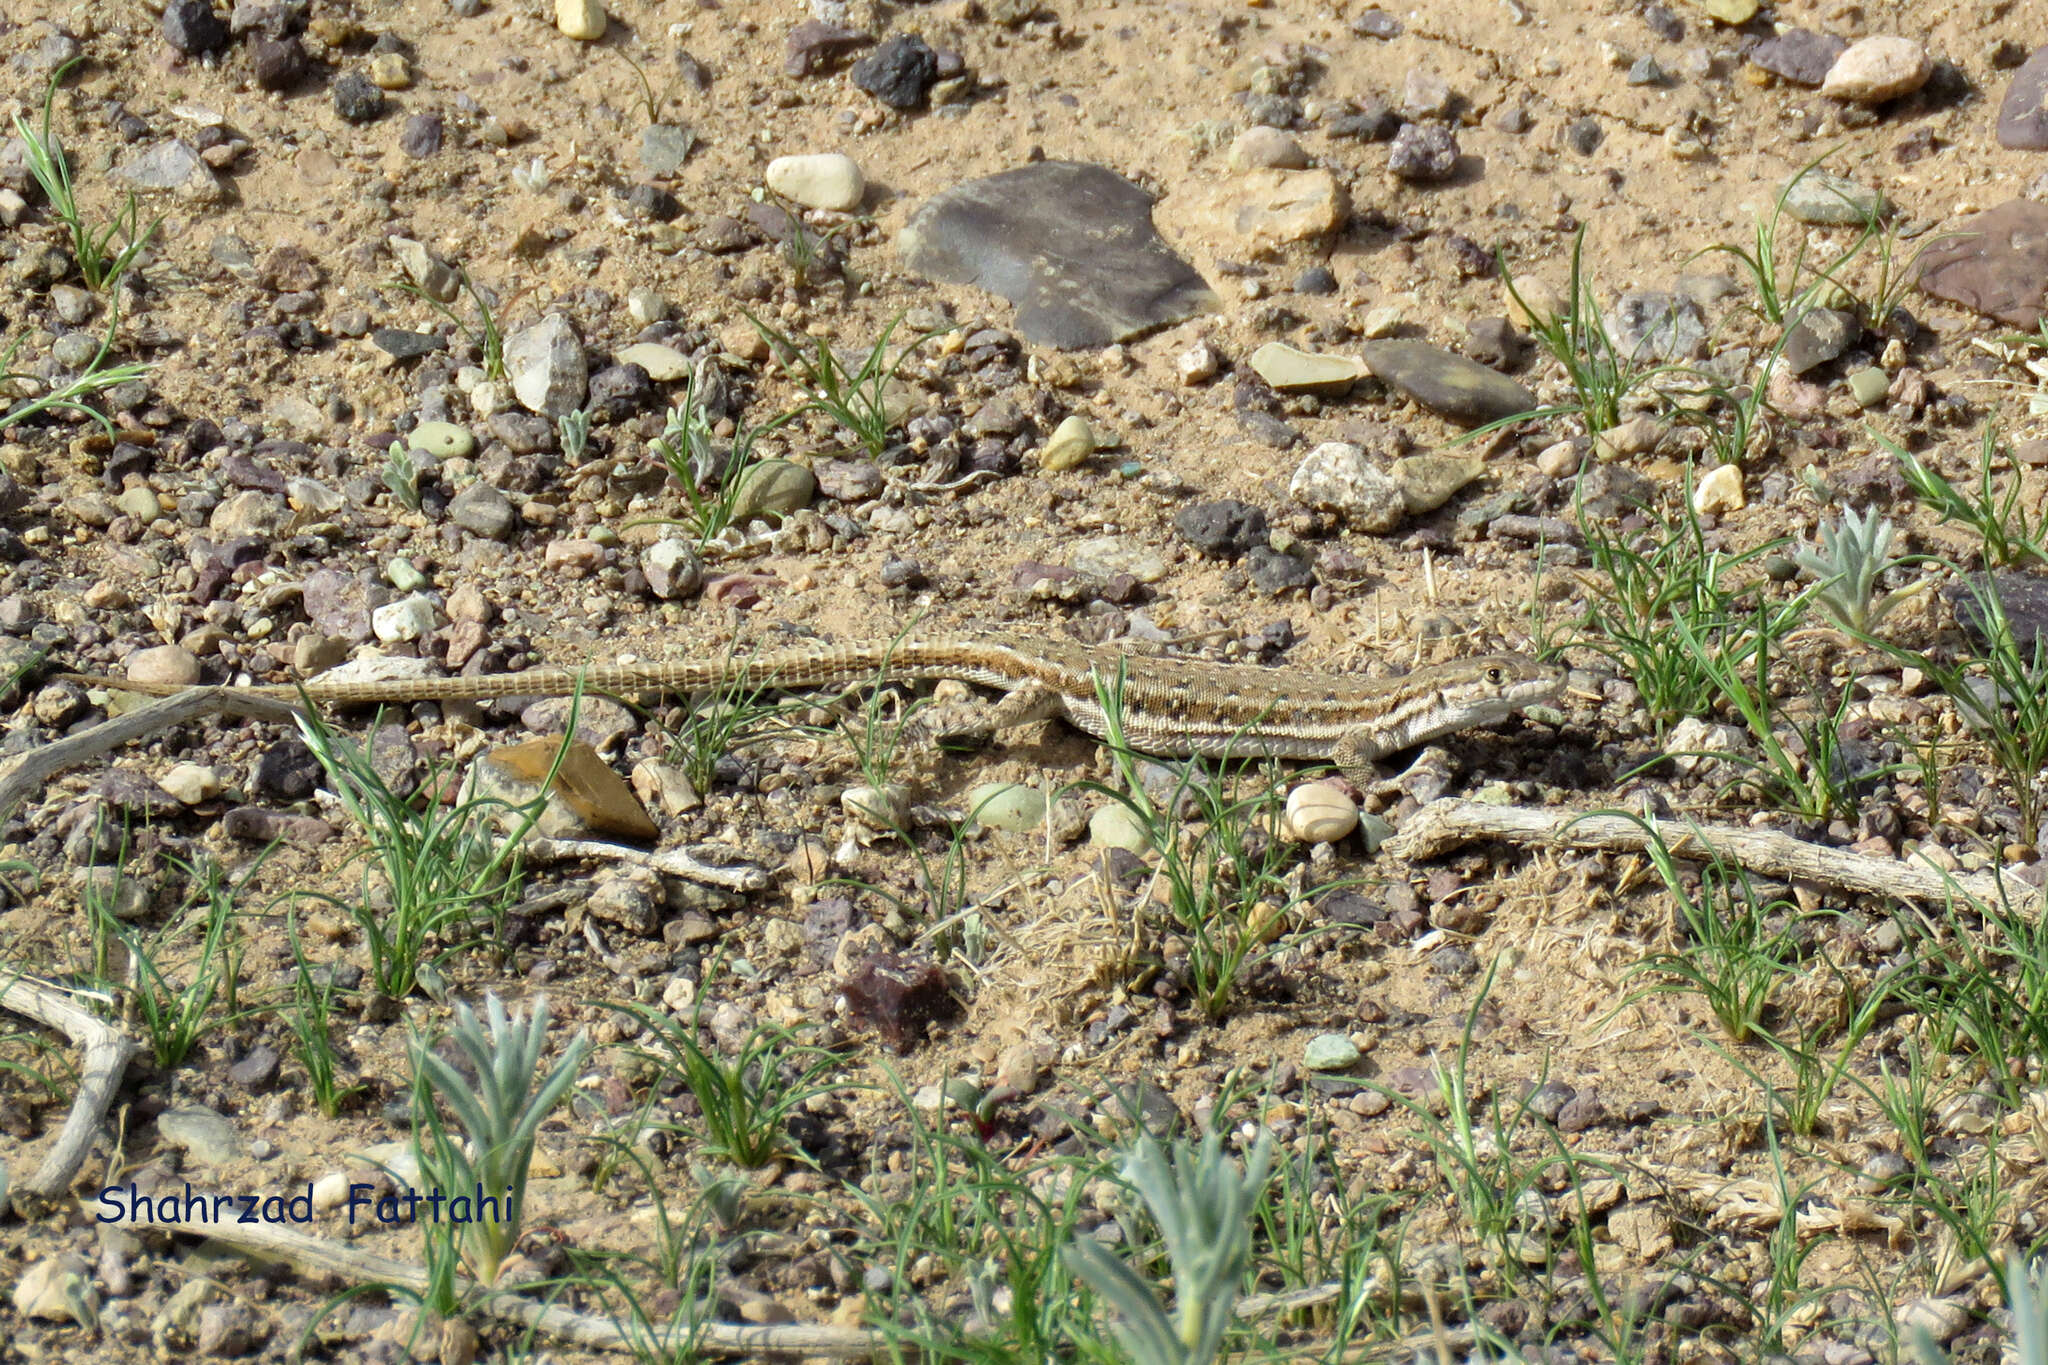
(970, 724)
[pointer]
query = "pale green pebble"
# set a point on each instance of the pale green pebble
(1374, 831)
(1072, 441)
(1329, 1052)
(1007, 806)
(773, 488)
(604, 535)
(1130, 469)
(1494, 794)
(1869, 385)
(444, 439)
(664, 364)
(401, 575)
(140, 503)
(1116, 827)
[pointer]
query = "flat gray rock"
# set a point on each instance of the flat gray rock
(2022, 596)
(1444, 382)
(1995, 262)
(1655, 325)
(1799, 55)
(1072, 245)
(1819, 337)
(1825, 200)
(2023, 114)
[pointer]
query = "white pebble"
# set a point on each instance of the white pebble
(191, 783)
(1878, 69)
(409, 618)
(824, 180)
(582, 19)
(1719, 491)
(1318, 813)
(1198, 363)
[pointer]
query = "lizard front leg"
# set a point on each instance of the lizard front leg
(1354, 754)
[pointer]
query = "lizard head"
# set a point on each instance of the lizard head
(1496, 686)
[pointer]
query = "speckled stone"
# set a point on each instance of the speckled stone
(2023, 113)
(1071, 244)
(1995, 262)
(1445, 382)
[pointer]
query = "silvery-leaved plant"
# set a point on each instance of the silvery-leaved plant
(1851, 554)
(498, 1116)
(1203, 1205)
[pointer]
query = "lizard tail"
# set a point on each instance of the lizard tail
(150, 689)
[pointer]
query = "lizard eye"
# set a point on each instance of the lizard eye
(1494, 675)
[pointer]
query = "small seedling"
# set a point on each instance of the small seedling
(1602, 375)
(1997, 515)
(856, 399)
(710, 477)
(574, 430)
(1481, 1149)
(177, 1008)
(486, 335)
(100, 264)
(650, 103)
(1738, 945)
(498, 1114)
(733, 715)
(443, 879)
(885, 722)
(746, 1100)
(1785, 293)
(1222, 875)
(2000, 689)
(402, 475)
(310, 1016)
(72, 395)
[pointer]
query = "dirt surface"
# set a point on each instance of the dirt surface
(262, 432)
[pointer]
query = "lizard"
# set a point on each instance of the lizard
(1169, 706)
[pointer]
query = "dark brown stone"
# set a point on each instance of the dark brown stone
(815, 45)
(2023, 115)
(1995, 262)
(900, 998)
(1798, 55)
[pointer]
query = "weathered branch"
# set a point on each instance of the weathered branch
(28, 774)
(107, 1051)
(674, 862)
(581, 1329)
(1444, 825)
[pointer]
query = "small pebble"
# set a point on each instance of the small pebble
(1878, 69)
(1719, 491)
(1329, 1052)
(171, 664)
(884, 808)
(356, 98)
(1262, 147)
(583, 20)
(1198, 363)
(1869, 386)
(389, 71)
(444, 440)
(1115, 827)
(1071, 442)
(1008, 806)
